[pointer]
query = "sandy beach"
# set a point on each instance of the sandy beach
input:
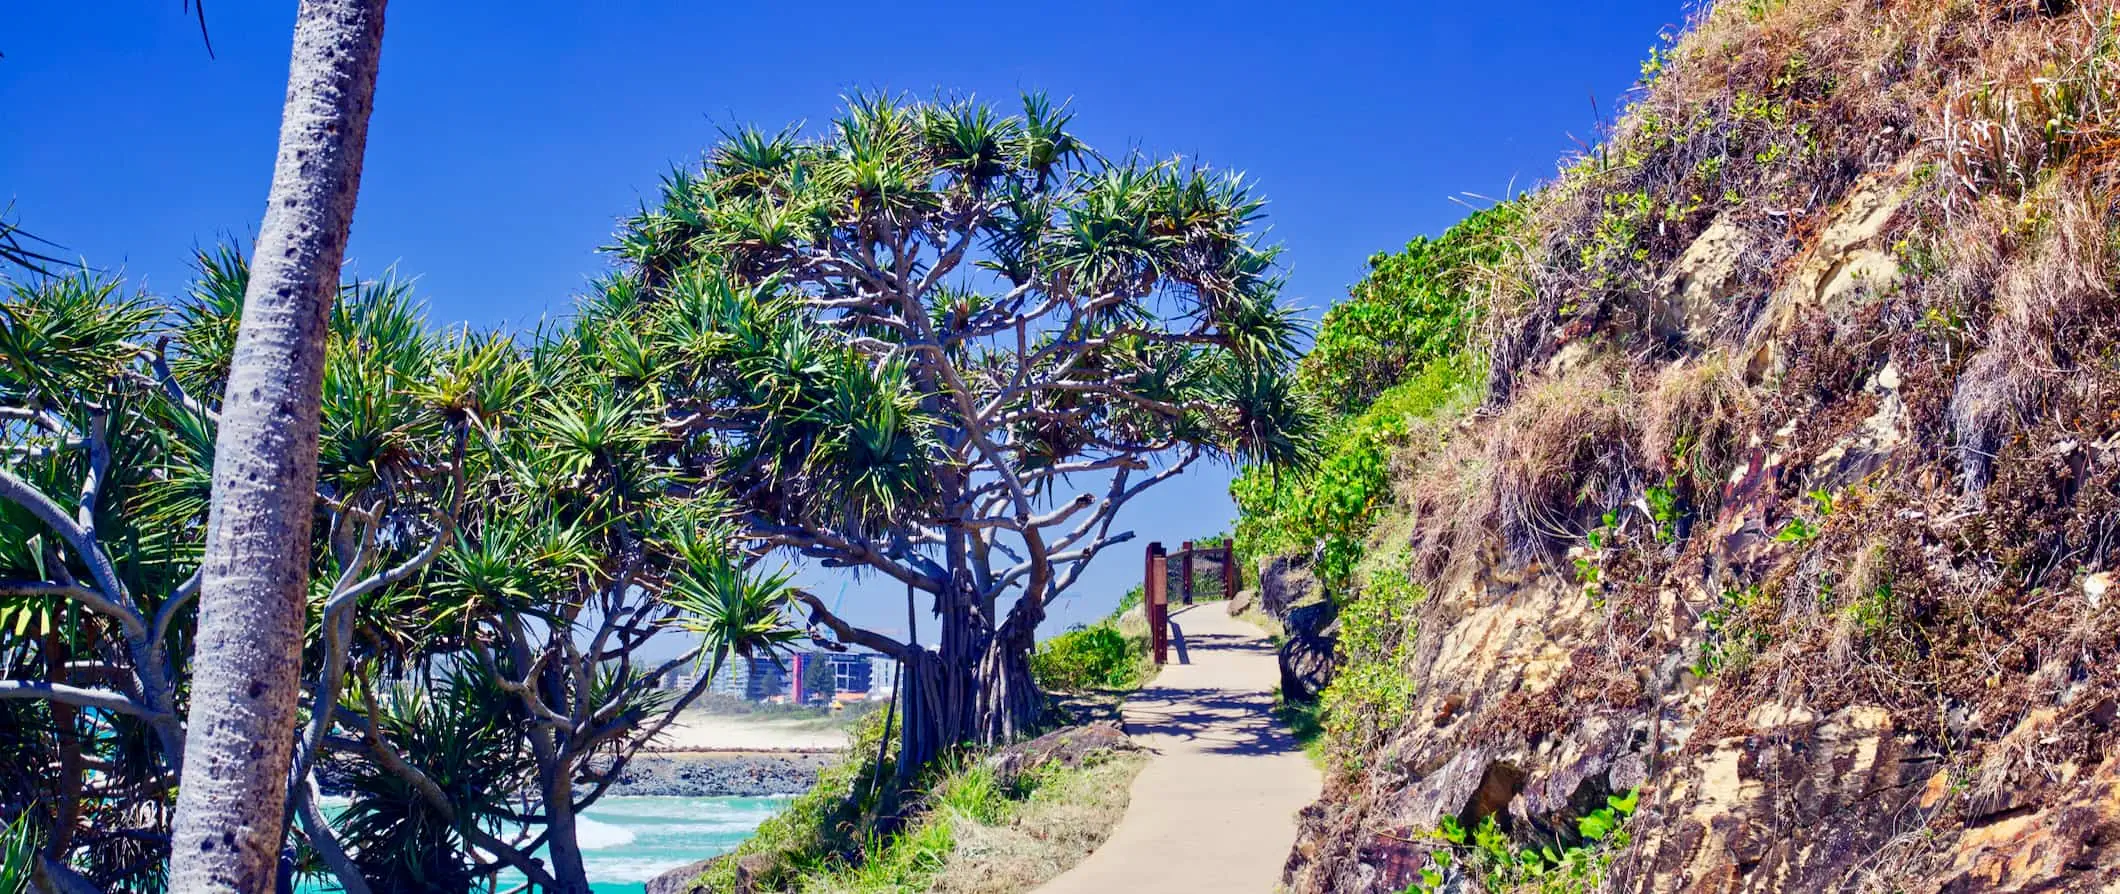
(699, 731)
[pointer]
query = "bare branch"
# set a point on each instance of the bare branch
(848, 633)
(113, 702)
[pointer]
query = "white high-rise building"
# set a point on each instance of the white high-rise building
(883, 677)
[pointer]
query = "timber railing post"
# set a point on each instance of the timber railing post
(1232, 578)
(1155, 599)
(1185, 554)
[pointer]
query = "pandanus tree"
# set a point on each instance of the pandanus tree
(109, 405)
(495, 547)
(945, 345)
(537, 630)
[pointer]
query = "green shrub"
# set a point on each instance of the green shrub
(1331, 508)
(1497, 864)
(831, 824)
(1098, 656)
(1414, 308)
(1394, 353)
(1371, 691)
(839, 838)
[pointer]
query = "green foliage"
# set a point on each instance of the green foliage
(19, 843)
(1801, 529)
(1496, 864)
(1391, 355)
(1874, 609)
(1373, 687)
(1097, 656)
(513, 608)
(1664, 508)
(461, 734)
(1413, 309)
(1737, 629)
(1331, 507)
(846, 834)
(834, 820)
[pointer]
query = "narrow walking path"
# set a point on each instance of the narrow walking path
(1215, 810)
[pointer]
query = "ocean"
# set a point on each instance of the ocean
(627, 841)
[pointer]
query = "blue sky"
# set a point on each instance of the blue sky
(509, 136)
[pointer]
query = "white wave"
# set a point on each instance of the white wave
(596, 836)
(702, 828)
(634, 870)
(652, 807)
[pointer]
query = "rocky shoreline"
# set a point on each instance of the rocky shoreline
(708, 774)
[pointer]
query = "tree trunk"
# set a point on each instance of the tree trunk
(562, 843)
(1009, 700)
(255, 574)
(978, 690)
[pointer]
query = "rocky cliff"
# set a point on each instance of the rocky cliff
(1774, 555)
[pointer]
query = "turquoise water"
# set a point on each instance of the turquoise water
(627, 841)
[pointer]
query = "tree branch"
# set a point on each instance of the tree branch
(105, 700)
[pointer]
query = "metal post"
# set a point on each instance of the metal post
(1185, 556)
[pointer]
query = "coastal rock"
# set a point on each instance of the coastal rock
(1069, 747)
(679, 880)
(1285, 581)
(722, 774)
(1307, 653)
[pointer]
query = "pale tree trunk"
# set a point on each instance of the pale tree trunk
(248, 661)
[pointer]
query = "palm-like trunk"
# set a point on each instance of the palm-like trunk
(255, 576)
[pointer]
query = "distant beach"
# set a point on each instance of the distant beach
(700, 731)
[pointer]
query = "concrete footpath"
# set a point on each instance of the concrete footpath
(1215, 809)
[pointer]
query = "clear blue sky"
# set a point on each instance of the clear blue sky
(509, 136)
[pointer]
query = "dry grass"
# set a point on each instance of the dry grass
(1058, 826)
(2038, 95)
(2045, 295)
(1695, 419)
(1531, 480)
(1563, 455)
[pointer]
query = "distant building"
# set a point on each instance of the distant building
(883, 677)
(751, 679)
(855, 676)
(851, 673)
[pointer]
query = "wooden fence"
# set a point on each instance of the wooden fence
(1200, 570)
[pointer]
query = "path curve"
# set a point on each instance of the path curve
(1215, 809)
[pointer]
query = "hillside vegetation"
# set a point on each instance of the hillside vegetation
(1733, 513)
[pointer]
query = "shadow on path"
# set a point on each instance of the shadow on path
(1215, 810)
(1217, 721)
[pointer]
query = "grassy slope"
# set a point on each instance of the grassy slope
(1953, 583)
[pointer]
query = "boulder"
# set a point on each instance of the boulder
(1307, 652)
(1069, 747)
(1285, 581)
(1702, 282)
(681, 879)
(1244, 601)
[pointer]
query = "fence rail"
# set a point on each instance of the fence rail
(1199, 570)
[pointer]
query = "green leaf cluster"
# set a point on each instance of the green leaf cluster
(1373, 687)
(1414, 308)
(1092, 657)
(1495, 863)
(1328, 510)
